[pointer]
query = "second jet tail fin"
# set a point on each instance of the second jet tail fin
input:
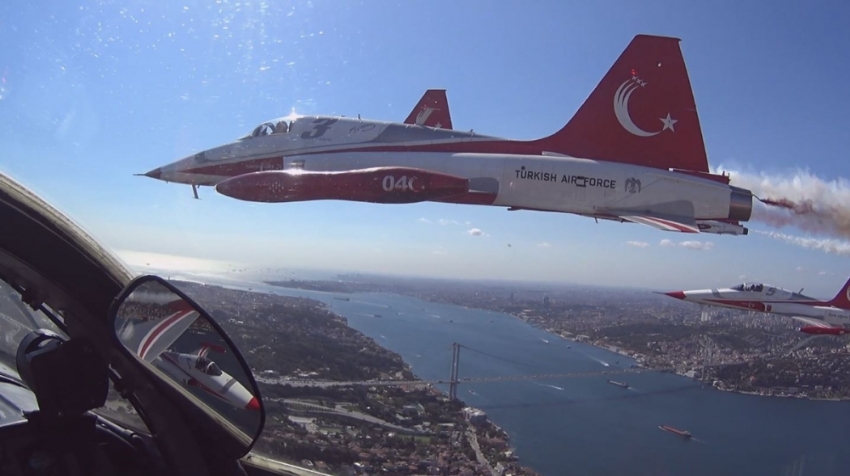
(432, 110)
(842, 299)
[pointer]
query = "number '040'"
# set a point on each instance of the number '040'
(403, 183)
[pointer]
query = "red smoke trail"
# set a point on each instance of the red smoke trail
(801, 208)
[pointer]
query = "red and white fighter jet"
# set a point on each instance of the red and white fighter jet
(633, 152)
(194, 369)
(818, 317)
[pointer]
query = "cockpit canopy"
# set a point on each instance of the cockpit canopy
(207, 366)
(278, 126)
(749, 287)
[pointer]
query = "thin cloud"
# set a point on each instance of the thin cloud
(742, 277)
(438, 252)
(544, 245)
(638, 244)
(823, 273)
(425, 221)
(689, 244)
(475, 232)
(444, 222)
(800, 269)
(697, 245)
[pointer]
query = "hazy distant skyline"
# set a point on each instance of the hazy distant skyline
(92, 93)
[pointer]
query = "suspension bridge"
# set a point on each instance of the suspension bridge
(454, 378)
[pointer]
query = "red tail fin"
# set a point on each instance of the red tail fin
(842, 299)
(642, 112)
(432, 110)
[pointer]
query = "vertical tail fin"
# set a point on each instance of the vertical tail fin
(432, 110)
(642, 112)
(842, 299)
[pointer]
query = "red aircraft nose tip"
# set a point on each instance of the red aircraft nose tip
(676, 294)
(254, 404)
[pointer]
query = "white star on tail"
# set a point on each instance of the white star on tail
(668, 122)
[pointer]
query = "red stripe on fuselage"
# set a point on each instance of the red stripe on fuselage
(234, 169)
(749, 305)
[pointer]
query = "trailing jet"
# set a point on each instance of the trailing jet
(153, 339)
(633, 152)
(817, 317)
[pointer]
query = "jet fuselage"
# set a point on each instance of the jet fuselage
(769, 299)
(529, 179)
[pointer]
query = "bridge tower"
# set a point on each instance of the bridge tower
(453, 379)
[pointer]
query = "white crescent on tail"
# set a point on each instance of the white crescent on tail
(621, 109)
(424, 115)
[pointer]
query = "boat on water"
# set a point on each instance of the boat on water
(342, 298)
(378, 315)
(619, 384)
(675, 431)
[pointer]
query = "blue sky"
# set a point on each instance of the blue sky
(93, 93)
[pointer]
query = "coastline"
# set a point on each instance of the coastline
(640, 359)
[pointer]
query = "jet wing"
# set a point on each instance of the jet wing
(432, 110)
(810, 321)
(152, 337)
(666, 223)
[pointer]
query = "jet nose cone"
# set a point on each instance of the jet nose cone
(155, 173)
(254, 405)
(676, 294)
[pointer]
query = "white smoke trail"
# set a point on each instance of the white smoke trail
(800, 199)
(827, 245)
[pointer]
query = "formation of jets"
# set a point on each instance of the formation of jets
(633, 152)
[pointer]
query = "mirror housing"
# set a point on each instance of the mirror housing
(192, 361)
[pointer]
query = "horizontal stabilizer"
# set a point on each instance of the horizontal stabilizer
(678, 224)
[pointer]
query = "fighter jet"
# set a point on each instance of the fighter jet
(817, 317)
(194, 370)
(633, 152)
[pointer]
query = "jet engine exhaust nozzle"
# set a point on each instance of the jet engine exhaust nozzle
(740, 204)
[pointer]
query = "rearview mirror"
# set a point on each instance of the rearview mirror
(180, 343)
